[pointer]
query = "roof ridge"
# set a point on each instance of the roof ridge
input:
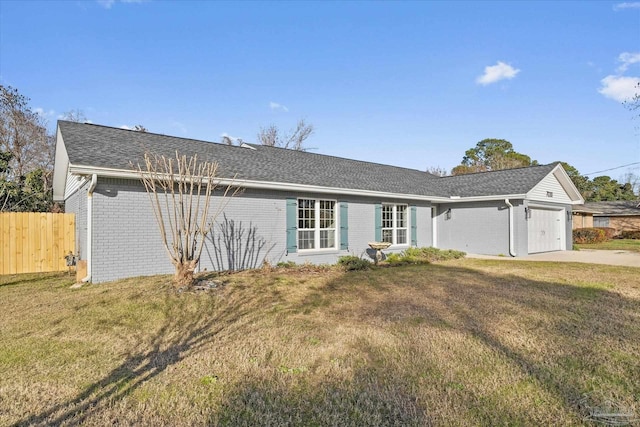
(149, 133)
(502, 170)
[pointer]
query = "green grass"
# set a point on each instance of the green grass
(465, 342)
(614, 245)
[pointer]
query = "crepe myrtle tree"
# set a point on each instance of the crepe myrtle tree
(180, 190)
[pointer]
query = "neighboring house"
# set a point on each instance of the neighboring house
(276, 218)
(623, 215)
(583, 216)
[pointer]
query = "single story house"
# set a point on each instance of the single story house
(583, 216)
(509, 212)
(622, 215)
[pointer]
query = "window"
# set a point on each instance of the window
(316, 224)
(600, 221)
(394, 224)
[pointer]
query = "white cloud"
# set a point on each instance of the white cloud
(495, 73)
(627, 5)
(126, 127)
(107, 4)
(619, 88)
(278, 107)
(44, 114)
(628, 58)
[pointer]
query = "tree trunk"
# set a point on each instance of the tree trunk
(183, 277)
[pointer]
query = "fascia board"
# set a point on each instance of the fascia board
(61, 168)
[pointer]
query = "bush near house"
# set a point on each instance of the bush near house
(423, 256)
(609, 232)
(353, 263)
(589, 235)
(630, 234)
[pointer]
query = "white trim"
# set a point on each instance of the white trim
(61, 169)
(300, 188)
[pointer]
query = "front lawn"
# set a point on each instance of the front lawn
(632, 245)
(466, 342)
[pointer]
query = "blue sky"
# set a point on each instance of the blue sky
(412, 84)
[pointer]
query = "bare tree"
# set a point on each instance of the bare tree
(437, 171)
(76, 115)
(23, 134)
(271, 136)
(180, 191)
(140, 128)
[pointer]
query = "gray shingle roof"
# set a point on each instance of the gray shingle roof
(107, 147)
(502, 182)
(615, 208)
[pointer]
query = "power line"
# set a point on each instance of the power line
(612, 169)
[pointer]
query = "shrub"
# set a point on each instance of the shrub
(286, 264)
(423, 256)
(630, 234)
(353, 263)
(589, 235)
(609, 232)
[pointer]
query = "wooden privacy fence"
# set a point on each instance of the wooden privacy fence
(32, 242)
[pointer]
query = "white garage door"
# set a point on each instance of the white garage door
(545, 230)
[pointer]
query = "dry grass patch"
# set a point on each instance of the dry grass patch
(466, 342)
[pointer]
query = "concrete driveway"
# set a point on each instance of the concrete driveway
(588, 256)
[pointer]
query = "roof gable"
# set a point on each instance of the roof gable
(556, 187)
(506, 182)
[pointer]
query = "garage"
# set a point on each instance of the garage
(546, 229)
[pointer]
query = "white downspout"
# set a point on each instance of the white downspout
(512, 250)
(434, 226)
(92, 186)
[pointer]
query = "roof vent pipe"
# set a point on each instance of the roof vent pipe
(92, 186)
(512, 250)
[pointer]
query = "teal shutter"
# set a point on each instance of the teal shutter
(414, 226)
(344, 226)
(378, 220)
(292, 229)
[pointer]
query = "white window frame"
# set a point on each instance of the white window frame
(395, 229)
(317, 229)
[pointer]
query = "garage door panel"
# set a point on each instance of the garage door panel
(545, 230)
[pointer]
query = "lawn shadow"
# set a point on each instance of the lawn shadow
(178, 337)
(24, 278)
(287, 399)
(578, 328)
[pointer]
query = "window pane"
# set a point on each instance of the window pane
(306, 239)
(387, 216)
(306, 213)
(402, 237)
(327, 214)
(401, 216)
(327, 239)
(387, 236)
